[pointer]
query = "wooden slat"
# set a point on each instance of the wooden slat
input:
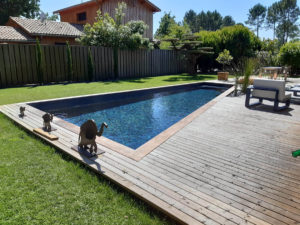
(3, 73)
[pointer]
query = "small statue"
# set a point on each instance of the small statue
(88, 133)
(22, 110)
(47, 119)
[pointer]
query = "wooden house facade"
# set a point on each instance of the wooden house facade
(86, 12)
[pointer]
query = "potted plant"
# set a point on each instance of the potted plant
(224, 58)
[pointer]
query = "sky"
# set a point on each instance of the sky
(238, 9)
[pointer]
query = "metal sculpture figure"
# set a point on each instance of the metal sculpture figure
(88, 133)
(22, 110)
(47, 121)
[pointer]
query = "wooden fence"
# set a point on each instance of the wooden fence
(18, 64)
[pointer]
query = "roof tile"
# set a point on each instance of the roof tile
(11, 34)
(49, 28)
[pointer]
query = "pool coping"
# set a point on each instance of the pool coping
(139, 153)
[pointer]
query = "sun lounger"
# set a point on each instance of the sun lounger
(272, 90)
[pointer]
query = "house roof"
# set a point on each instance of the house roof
(12, 34)
(147, 2)
(48, 28)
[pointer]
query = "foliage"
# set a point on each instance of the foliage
(256, 16)
(289, 13)
(90, 64)
(39, 62)
(176, 31)
(239, 40)
(190, 48)
(228, 21)
(190, 18)
(224, 58)
(289, 55)
(70, 71)
(26, 8)
(109, 32)
(210, 21)
(273, 17)
(249, 66)
(165, 24)
(53, 17)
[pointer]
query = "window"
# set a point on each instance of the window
(81, 16)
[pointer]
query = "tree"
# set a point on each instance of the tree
(256, 17)
(288, 13)
(224, 58)
(273, 17)
(228, 21)
(26, 8)
(190, 47)
(165, 24)
(190, 19)
(53, 17)
(110, 32)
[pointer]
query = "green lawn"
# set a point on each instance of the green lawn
(14, 95)
(40, 185)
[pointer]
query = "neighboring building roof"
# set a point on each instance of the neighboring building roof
(147, 2)
(48, 27)
(11, 34)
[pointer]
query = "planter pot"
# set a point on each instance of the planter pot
(223, 76)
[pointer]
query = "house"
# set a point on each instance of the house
(86, 12)
(23, 30)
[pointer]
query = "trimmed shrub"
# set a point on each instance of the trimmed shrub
(70, 71)
(90, 65)
(289, 55)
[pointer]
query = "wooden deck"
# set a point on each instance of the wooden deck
(230, 165)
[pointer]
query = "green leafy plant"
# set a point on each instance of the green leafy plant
(90, 65)
(224, 58)
(39, 63)
(249, 66)
(70, 71)
(110, 32)
(289, 55)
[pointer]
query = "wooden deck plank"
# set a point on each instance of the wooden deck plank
(238, 173)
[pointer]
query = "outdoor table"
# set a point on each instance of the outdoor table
(273, 70)
(295, 90)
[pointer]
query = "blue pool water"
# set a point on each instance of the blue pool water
(135, 123)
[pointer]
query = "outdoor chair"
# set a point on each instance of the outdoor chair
(272, 90)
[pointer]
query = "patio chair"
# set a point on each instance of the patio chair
(272, 90)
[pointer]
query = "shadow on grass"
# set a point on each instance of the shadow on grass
(187, 77)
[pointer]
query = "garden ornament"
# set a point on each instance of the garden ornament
(88, 133)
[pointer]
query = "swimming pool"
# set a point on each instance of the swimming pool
(135, 117)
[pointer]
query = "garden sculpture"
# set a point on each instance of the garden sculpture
(47, 120)
(22, 110)
(88, 133)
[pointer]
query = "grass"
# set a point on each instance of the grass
(40, 185)
(22, 94)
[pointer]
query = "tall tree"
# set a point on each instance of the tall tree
(256, 17)
(214, 20)
(26, 8)
(228, 21)
(273, 17)
(53, 17)
(202, 20)
(289, 13)
(165, 25)
(191, 19)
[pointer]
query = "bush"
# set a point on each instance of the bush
(39, 62)
(239, 40)
(289, 55)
